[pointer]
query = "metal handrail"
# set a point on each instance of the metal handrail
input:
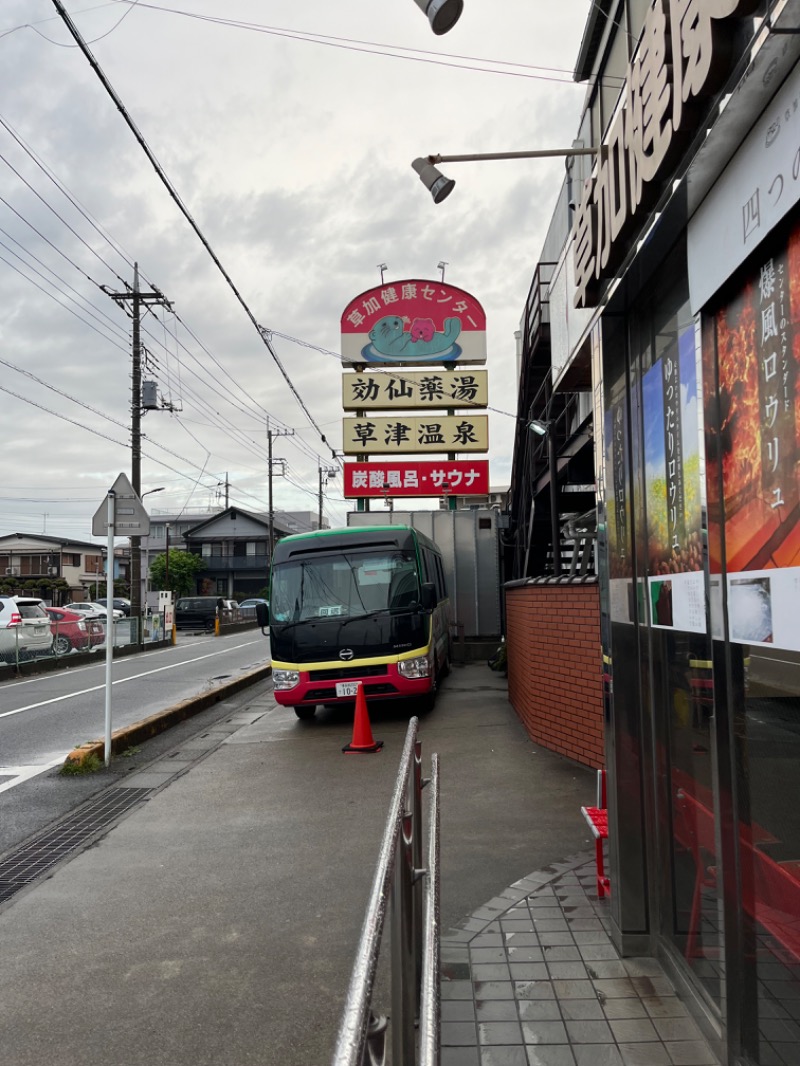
(398, 880)
(430, 1009)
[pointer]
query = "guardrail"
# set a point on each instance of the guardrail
(400, 882)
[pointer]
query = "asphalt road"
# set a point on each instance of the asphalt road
(44, 717)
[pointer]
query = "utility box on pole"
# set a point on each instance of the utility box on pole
(469, 546)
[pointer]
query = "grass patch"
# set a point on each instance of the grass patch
(130, 752)
(88, 765)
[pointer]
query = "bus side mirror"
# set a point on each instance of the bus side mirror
(428, 596)
(262, 615)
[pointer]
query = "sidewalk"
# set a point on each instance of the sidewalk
(215, 915)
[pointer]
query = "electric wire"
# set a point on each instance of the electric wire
(184, 210)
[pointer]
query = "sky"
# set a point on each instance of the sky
(293, 157)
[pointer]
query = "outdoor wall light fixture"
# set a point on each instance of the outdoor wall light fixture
(538, 427)
(440, 187)
(442, 14)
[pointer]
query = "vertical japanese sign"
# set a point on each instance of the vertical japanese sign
(754, 429)
(672, 488)
(618, 506)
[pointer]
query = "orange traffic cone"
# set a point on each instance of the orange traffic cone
(362, 741)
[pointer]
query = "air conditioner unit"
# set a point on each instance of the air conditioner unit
(52, 571)
(12, 569)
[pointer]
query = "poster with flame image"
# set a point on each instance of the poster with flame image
(753, 438)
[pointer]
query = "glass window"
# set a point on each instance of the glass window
(751, 355)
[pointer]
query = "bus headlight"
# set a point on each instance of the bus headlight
(415, 668)
(282, 679)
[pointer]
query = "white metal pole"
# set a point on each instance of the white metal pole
(109, 629)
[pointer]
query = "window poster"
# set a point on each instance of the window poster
(672, 475)
(755, 431)
(618, 507)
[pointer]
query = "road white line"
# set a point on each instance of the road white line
(25, 773)
(124, 680)
(101, 662)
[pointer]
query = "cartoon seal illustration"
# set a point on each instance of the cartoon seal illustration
(390, 341)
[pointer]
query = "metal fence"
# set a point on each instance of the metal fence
(411, 894)
(70, 638)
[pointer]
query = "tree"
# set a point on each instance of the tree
(183, 568)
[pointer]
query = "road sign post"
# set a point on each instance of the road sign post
(121, 514)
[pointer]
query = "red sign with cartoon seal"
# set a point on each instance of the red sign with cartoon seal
(414, 322)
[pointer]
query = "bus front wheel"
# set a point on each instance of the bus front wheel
(305, 714)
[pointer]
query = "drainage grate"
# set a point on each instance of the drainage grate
(40, 854)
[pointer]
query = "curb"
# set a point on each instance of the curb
(122, 739)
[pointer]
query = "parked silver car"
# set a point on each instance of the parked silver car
(24, 628)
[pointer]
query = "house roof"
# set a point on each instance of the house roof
(7, 539)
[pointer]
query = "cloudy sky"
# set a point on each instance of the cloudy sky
(293, 156)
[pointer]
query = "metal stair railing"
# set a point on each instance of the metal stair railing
(413, 893)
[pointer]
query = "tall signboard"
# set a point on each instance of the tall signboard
(394, 412)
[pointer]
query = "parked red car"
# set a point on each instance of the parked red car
(74, 631)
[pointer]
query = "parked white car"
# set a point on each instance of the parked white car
(24, 628)
(93, 610)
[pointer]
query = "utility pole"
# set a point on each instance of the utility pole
(325, 473)
(137, 300)
(270, 434)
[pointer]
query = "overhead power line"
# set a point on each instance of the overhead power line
(185, 211)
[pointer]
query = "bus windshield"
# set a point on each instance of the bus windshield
(344, 584)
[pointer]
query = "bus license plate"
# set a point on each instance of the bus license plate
(346, 688)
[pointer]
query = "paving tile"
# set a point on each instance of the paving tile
(582, 1009)
(551, 925)
(542, 1032)
(542, 1010)
(597, 1055)
(586, 925)
(459, 953)
(562, 953)
(601, 969)
(665, 1007)
(456, 971)
(491, 971)
(643, 967)
(567, 971)
(615, 987)
(456, 990)
(517, 925)
(677, 1029)
(550, 1055)
(484, 955)
(458, 1010)
(562, 938)
(589, 1031)
(524, 954)
(503, 1056)
(459, 1056)
(540, 913)
(624, 1008)
(522, 940)
(528, 971)
(654, 1054)
(690, 1053)
(496, 1010)
(458, 1034)
(494, 990)
(633, 1030)
(534, 990)
(499, 1033)
(487, 940)
(566, 989)
(652, 986)
(591, 936)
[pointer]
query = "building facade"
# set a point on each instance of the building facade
(670, 348)
(56, 569)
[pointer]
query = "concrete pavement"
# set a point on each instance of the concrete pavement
(216, 920)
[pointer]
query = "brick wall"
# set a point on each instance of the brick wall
(554, 667)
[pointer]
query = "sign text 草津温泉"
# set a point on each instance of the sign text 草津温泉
(407, 433)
